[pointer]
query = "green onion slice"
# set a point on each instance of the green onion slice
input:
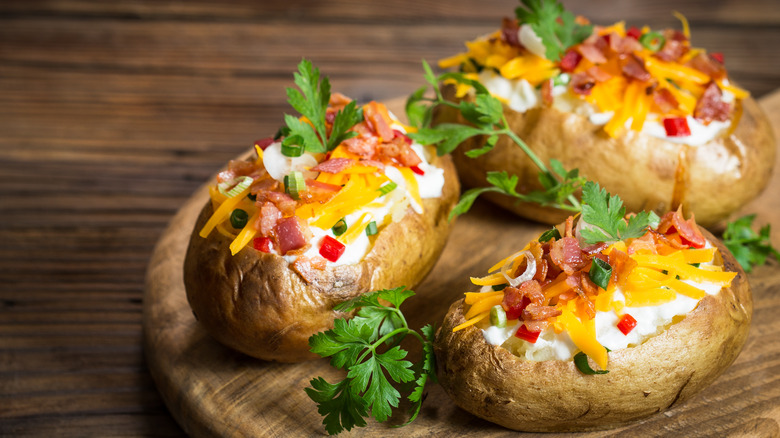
(239, 218)
(241, 185)
(498, 316)
(581, 361)
(550, 234)
(600, 271)
(294, 184)
(371, 228)
(499, 287)
(340, 227)
(652, 41)
(387, 188)
(291, 150)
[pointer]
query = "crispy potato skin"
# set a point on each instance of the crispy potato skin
(257, 304)
(712, 180)
(553, 396)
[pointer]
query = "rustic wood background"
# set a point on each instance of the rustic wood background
(113, 113)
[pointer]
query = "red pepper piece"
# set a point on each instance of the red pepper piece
(626, 324)
(417, 170)
(634, 32)
(717, 56)
(527, 335)
(331, 248)
(262, 244)
(677, 127)
(264, 143)
(570, 60)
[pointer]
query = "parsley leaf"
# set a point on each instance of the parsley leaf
(556, 26)
(366, 346)
(606, 216)
(749, 248)
(311, 101)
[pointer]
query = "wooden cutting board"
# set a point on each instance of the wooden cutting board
(213, 391)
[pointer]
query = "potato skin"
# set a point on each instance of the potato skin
(716, 179)
(553, 396)
(257, 304)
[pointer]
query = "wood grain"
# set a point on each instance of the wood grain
(213, 391)
(112, 113)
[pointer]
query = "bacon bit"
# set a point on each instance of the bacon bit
(623, 46)
(575, 281)
(568, 230)
(688, 230)
(622, 265)
(537, 312)
(566, 253)
(319, 185)
(707, 65)
(595, 248)
(711, 105)
(598, 74)
(378, 164)
(634, 32)
(718, 57)
(672, 241)
(283, 201)
(541, 265)
(676, 127)
(665, 100)
(509, 29)
(402, 136)
(308, 268)
(581, 83)
(592, 53)
(547, 92)
(334, 165)
(235, 169)
(330, 116)
(364, 144)
(375, 118)
(634, 68)
(269, 217)
(588, 286)
(672, 50)
(517, 298)
(570, 61)
(338, 100)
(264, 143)
(292, 234)
(317, 191)
(642, 245)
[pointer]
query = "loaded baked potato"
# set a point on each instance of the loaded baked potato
(642, 112)
(659, 317)
(284, 239)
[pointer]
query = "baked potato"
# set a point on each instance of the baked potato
(534, 381)
(643, 113)
(370, 214)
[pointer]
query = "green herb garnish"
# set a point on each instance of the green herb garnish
(581, 362)
(749, 248)
(606, 216)
(311, 100)
(555, 25)
(366, 346)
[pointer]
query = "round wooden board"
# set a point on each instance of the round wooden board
(214, 391)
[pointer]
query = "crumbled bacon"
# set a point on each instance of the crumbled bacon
(282, 201)
(517, 298)
(711, 105)
(338, 100)
(292, 234)
(509, 29)
(598, 74)
(364, 144)
(708, 65)
(642, 245)
(623, 46)
(537, 312)
(309, 268)
(622, 265)
(595, 248)
(570, 61)
(665, 100)
(592, 53)
(567, 255)
(688, 230)
(547, 92)
(235, 169)
(672, 50)
(375, 118)
(634, 67)
(334, 165)
(581, 83)
(269, 217)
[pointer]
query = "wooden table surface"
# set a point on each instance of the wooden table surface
(113, 113)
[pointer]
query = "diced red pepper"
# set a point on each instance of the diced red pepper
(399, 134)
(417, 170)
(626, 324)
(527, 335)
(262, 244)
(717, 56)
(634, 32)
(331, 248)
(677, 127)
(264, 143)
(514, 303)
(570, 60)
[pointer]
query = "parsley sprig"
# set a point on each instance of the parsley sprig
(749, 248)
(367, 347)
(556, 26)
(311, 101)
(606, 217)
(485, 115)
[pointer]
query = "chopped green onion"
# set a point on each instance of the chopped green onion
(252, 197)
(387, 188)
(292, 150)
(498, 316)
(652, 41)
(581, 361)
(340, 227)
(600, 271)
(238, 218)
(549, 235)
(243, 183)
(294, 184)
(499, 287)
(695, 265)
(371, 228)
(561, 79)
